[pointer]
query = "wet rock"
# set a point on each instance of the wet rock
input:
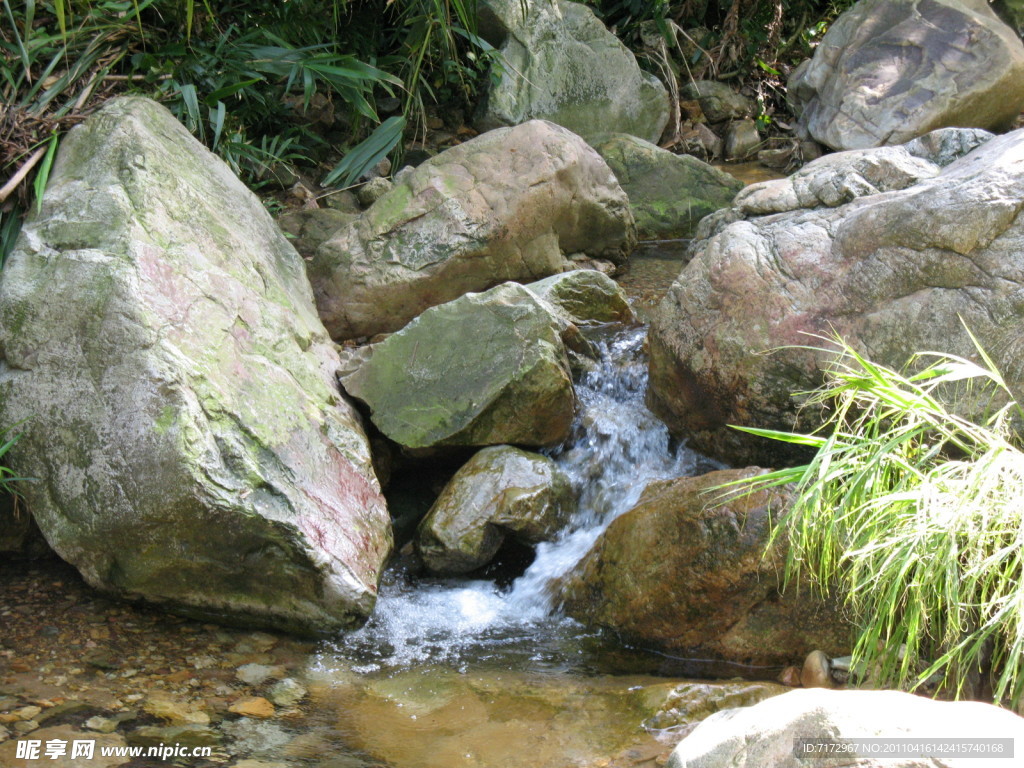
(503, 206)
(255, 706)
(892, 272)
(765, 734)
(257, 674)
(501, 491)
(287, 692)
(485, 369)
(563, 65)
(171, 405)
(373, 190)
(718, 101)
(175, 712)
(689, 703)
(889, 70)
(310, 227)
(668, 193)
(25, 726)
(256, 737)
(66, 709)
(101, 724)
(686, 570)
(585, 296)
(185, 735)
(817, 671)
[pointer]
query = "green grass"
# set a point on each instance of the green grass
(915, 513)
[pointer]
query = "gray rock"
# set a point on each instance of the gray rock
(485, 369)
(255, 737)
(741, 140)
(893, 273)
(185, 735)
(668, 193)
(585, 296)
(890, 70)
(501, 491)
(561, 64)
(373, 190)
(766, 734)
(308, 228)
(189, 439)
(287, 692)
(718, 101)
(503, 206)
(256, 674)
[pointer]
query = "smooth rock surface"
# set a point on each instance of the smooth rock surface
(765, 734)
(181, 412)
(889, 70)
(893, 273)
(501, 491)
(682, 572)
(486, 369)
(563, 65)
(507, 205)
(668, 193)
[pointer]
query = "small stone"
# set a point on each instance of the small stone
(174, 712)
(790, 676)
(60, 710)
(27, 713)
(741, 140)
(373, 190)
(257, 674)
(101, 724)
(287, 692)
(255, 706)
(817, 671)
(4, 734)
(25, 726)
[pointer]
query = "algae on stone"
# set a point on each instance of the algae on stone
(486, 369)
(189, 441)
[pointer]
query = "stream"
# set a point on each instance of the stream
(448, 672)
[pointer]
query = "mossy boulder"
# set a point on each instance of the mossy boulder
(687, 571)
(585, 296)
(502, 491)
(560, 63)
(486, 369)
(668, 193)
(507, 205)
(181, 417)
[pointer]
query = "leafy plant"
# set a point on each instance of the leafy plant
(916, 513)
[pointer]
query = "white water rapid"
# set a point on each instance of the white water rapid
(616, 449)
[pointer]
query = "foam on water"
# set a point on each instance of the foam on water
(617, 448)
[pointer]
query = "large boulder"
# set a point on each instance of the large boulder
(485, 369)
(506, 205)
(796, 729)
(502, 491)
(889, 70)
(686, 570)
(893, 273)
(181, 417)
(668, 193)
(560, 63)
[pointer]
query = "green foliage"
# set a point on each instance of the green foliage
(251, 78)
(916, 513)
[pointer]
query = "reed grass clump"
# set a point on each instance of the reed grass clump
(915, 512)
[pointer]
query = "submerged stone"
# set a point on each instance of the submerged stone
(176, 389)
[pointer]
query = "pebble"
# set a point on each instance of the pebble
(4, 734)
(287, 692)
(174, 712)
(27, 713)
(256, 674)
(817, 671)
(25, 726)
(185, 735)
(256, 706)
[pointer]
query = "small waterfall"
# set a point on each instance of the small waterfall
(618, 446)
